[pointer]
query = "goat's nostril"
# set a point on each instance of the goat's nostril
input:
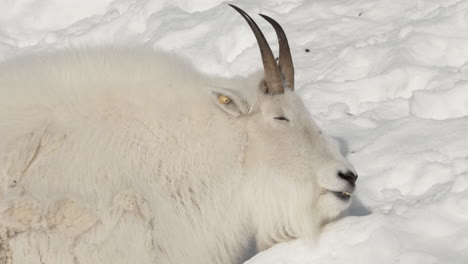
(349, 176)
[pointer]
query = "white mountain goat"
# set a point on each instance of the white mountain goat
(131, 156)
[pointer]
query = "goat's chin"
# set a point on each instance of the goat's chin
(332, 206)
(298, 220)
(276, 238)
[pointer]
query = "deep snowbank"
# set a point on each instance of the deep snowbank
(388, 78)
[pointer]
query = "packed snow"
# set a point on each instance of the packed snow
(387, 78)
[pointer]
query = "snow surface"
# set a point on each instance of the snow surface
(387, 78)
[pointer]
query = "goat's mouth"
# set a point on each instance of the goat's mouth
(343, 195)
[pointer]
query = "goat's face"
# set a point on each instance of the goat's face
(296, 176)
(300, 168)
(284, 138)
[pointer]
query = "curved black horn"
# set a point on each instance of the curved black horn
(272, 74)
(286, 65)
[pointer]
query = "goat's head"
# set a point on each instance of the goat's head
(286, 148)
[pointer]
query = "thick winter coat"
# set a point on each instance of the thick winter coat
(114, 155)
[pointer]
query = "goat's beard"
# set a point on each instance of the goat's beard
(294, 216)
(303, 225)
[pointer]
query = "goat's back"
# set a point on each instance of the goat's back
(89, 135)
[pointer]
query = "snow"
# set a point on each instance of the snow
(387, 78)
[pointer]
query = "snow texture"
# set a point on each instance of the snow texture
(387, 78)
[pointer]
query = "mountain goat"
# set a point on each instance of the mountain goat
(131, 156)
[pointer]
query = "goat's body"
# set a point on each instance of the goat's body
(131, 156)
(117, 157)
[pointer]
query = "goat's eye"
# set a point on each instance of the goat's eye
(282, 118)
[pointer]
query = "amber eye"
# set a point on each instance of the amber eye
(224, 99)
(282, 118)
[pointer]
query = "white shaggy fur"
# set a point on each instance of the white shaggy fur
(126, 156)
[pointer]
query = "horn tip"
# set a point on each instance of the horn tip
(233, 6)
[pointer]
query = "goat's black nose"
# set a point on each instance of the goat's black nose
(349, 176)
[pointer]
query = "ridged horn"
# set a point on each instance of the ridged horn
(272, 74)
(286, 65)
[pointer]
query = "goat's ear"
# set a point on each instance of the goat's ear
(230, 101)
